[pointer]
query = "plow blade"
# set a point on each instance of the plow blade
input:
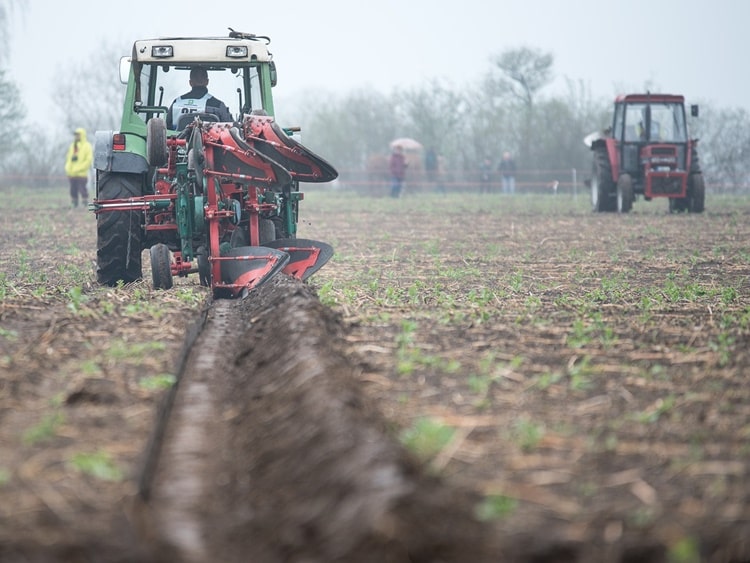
(270, 140)
(246, 267)
(305, 256)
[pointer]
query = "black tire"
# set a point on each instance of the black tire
(204, 267)
(696, 193)
(603, 197)
(624, 193)
(678, 204)
(157, 152)
(266, 231)
(240, 236)
(161, 266)
(197, 158)
(119, 235)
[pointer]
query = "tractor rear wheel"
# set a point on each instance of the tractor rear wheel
(624, 193)
(161, 266)
(119, 236)
(696, 193)
(602, 186)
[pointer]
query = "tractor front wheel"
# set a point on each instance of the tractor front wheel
(119, 235)
(161, 266)
(157, 152)
(696, 193)
(624, 193)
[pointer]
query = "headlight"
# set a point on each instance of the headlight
(237, 51)
(162, 51)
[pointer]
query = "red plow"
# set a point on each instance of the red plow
(224, 204)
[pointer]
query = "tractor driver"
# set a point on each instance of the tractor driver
(198, 100)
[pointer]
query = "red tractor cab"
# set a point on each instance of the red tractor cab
(647, 151)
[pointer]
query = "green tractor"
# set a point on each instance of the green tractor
(208, 187)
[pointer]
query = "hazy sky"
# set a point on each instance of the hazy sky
(694, 47)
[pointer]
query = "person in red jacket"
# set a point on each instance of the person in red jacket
(398, 167)
(78, 162)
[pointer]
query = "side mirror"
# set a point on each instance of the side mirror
(274, 76)
(124, 69)
(694, 110)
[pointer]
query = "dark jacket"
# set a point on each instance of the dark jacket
(197, 95)
(507, 167)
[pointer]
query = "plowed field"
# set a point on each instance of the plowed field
(535, 383)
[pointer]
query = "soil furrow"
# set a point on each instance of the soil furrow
(272, 453)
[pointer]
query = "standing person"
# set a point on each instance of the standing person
(77, 165)
(397, 166)
(507, 169)
(485, 176)
(198, 100)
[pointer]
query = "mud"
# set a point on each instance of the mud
(622, 341)
(273, 452)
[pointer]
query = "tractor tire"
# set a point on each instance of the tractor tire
(157, 152)
(204, 266)
(161, 266)
(624, 193)
(678, 204)
(696, 193)
(602, 186)
(119, 235)
(197, 159)
(266, 231)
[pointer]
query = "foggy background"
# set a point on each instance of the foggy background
(428, 68)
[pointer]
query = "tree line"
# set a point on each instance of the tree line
(507, 109)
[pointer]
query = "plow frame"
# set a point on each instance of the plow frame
(210, 197)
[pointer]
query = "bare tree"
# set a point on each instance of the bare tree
(348, 131)
(435, 115)
(525, 72)
(724, 147)
(12, 112)
(6, 9)
(89, 94)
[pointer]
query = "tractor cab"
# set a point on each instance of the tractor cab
(240, 72)
(651, 136)
(647, 152)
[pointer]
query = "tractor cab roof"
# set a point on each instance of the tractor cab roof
(650, 98)
(236, 49)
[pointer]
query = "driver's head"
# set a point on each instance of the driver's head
(198, 77)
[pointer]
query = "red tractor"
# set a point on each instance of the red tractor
(647, 152)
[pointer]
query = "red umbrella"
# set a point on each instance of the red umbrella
(407, 143)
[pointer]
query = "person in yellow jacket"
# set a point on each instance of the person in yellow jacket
(77, 165)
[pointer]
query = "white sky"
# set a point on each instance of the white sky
(693, 47)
